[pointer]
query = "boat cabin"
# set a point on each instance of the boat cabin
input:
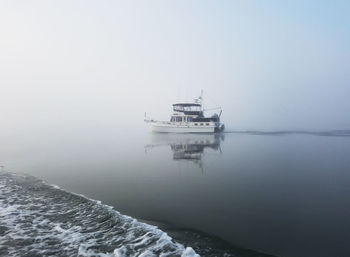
(191, 112)
(188, 108)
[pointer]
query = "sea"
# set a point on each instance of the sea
(238, 193)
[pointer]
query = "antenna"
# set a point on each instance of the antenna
(202, 100)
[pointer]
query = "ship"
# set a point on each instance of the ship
(188, 118)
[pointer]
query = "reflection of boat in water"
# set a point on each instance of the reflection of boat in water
(193, 149)
(187, 147)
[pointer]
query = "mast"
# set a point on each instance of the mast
(201, 97)
(199, 101)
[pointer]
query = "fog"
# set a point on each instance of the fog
(81, 66)
(77, 77)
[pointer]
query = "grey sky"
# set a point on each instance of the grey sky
(269, 64)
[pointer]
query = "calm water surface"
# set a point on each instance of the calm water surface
(283, 194)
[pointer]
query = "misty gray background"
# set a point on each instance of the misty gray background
(75, 66)
(76, 78)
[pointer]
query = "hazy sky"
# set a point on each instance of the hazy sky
(269, 64)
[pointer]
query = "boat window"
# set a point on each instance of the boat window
(201, 124)
(189, 118)
(196, 124)
(178, 119)
(172, 119)
(206, 123)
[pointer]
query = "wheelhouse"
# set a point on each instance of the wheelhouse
(188, 109)
(191, 112)
(182, 107)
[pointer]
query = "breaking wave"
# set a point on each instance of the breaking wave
(37, 219)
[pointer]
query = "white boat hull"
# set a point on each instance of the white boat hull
(180, 128)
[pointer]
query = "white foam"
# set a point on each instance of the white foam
(55, 186)
(37, 215)
(189, 252)
(120, 252)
